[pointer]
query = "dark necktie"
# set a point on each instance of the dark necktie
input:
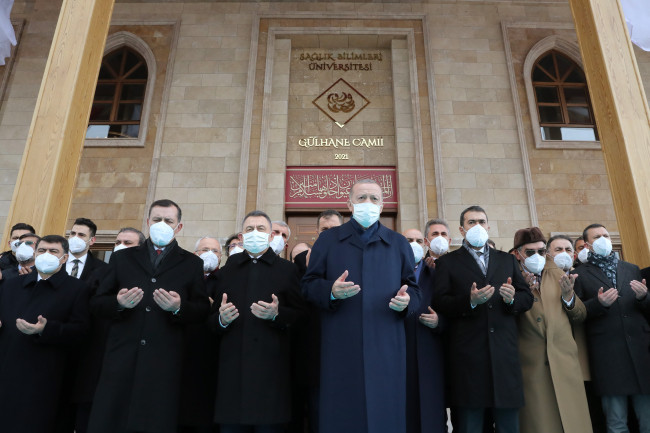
(75, 268)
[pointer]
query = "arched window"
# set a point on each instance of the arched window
(562, 99)
(119, 96)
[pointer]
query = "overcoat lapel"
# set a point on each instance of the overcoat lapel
(470, 263)
(173, 259)
(600, 275)
(143, 258)
(347, 231)
(492, 265)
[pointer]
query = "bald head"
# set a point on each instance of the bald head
(414, 235)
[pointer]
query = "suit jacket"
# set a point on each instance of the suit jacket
(7, 260)
(483, 349)
(139, 385)
(84, 369)
(32, 367)
(92, 264)
(618, 337)
(254, 382)
(9, 273)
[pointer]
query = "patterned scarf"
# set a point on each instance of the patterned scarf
(606, 264)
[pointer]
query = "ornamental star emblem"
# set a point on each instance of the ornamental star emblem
(341, 102)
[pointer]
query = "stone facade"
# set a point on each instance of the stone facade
(231, 99)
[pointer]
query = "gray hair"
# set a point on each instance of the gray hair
(196, 246)
(256, 213)
(282, 224)
(141, 237)
(435, 221)
(359, 181)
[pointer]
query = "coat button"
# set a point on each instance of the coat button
(491, 329)
(254, 261)
(153, 280)
(489, 305)
(539, 319)
(143, 342)
(147, 309)
(535, 299)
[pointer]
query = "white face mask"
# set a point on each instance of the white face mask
(119, 247)
(210, 261)
(76, 244)
(602, 246)
(477, 236)
(418, 252)
(24, 253)
(47, 263)
(14, 244)
(583, 255)
(277, 244)
(256, 242)
(236, 250)
(439, 245)
(366, 214)
(563, 261)
(535, 263)
(161, 234)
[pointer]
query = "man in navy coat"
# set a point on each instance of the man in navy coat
(361, 277)
(425, 372)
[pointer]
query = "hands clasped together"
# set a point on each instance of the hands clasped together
(166, 300)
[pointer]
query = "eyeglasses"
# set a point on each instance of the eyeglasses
(233, 245)
(27, 243)
(529, 253)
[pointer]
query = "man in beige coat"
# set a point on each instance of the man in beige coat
(554, 393)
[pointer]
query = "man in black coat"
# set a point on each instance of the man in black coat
(199, 381)
(150, 292)
(24, 255)
(43, 314)
(258, 298)
(480, 291)
(81, 262)
(8, 258)
(618, 334)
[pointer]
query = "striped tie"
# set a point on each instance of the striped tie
(75, 268)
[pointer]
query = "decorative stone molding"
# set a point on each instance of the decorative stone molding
(286, 33)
